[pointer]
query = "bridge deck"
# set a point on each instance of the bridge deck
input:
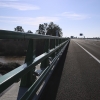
(79, 79)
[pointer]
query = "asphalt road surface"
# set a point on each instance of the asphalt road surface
(93, 46)
(80, 76)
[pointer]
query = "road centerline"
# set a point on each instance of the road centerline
(89, 53)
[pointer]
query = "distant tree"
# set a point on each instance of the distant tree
(51, 29)
(42, 29)
(19, 29)
(29, 31)
(54, 30)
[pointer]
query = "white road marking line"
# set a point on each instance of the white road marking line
(89, 53)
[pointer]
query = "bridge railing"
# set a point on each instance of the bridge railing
(26, 72)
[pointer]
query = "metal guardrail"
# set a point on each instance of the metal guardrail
(27, 70)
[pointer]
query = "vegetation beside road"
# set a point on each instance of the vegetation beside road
(13, 47)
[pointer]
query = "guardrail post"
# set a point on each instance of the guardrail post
(54, 46)
(56, 43)
(29, 78)
(60, 44)
(45, 63)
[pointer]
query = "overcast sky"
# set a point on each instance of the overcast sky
(73, 16)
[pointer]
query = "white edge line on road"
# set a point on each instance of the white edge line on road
(89, 53)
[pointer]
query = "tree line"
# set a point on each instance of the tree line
(44, 29)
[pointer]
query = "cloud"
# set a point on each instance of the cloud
(28, 20)
(18, 6)
(74, 16)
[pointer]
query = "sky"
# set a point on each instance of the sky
(73, 16)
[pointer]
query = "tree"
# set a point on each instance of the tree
(19, 29)
(54, 30)
(42, 29)
(51, 29)
(29, 31)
